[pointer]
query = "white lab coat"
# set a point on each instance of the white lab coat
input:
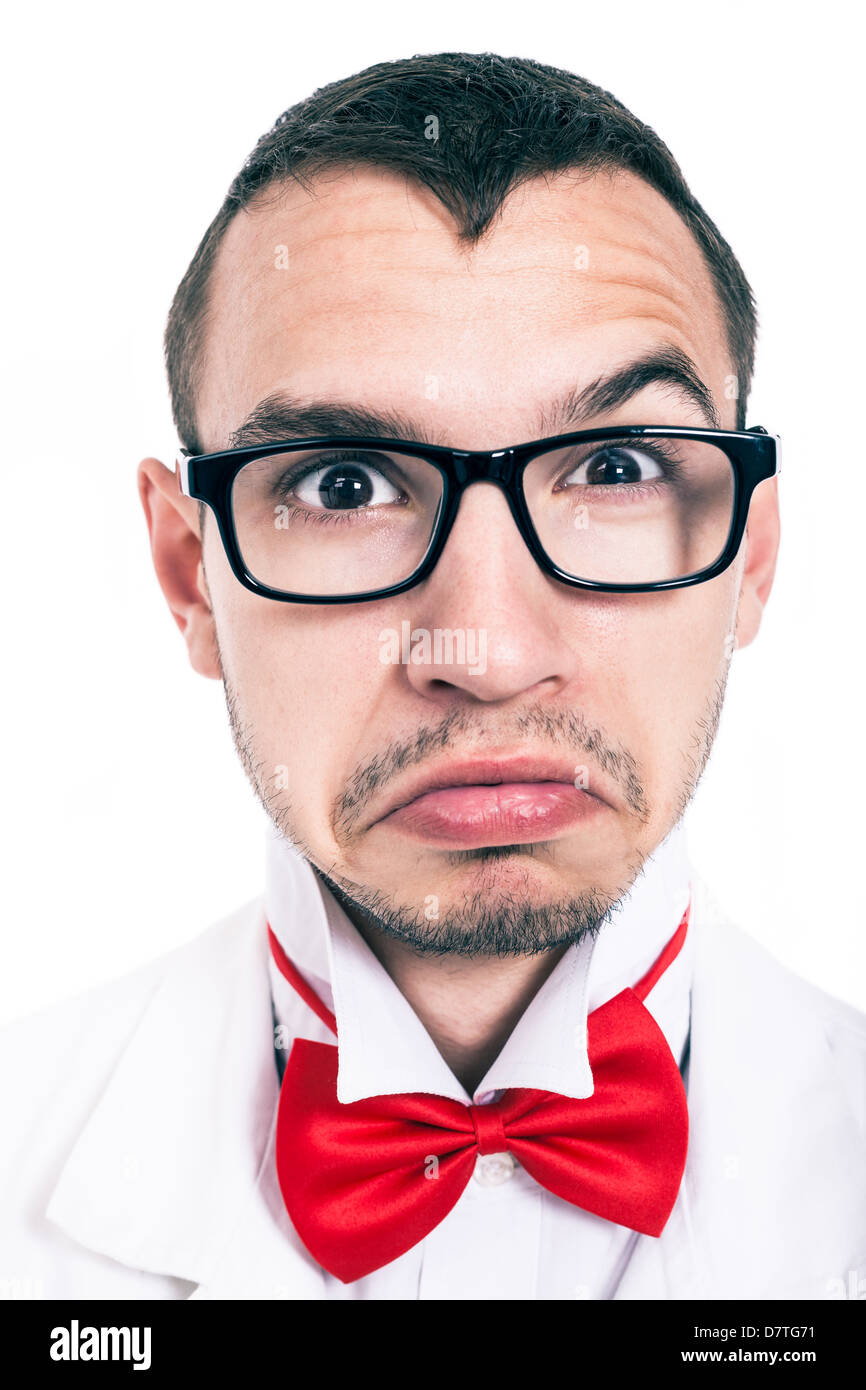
(137, 1136)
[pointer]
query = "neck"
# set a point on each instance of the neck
(469, 1006)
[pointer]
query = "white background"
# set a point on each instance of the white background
(129, 824)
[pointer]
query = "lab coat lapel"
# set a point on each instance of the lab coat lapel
(259, 1255)
(173, 1172)
(772, 1198)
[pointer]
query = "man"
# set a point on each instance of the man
(468, 521)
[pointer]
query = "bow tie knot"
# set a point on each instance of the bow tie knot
(490, 1133)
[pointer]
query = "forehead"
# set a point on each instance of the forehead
(359, 289)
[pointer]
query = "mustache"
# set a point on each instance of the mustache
(553, 728)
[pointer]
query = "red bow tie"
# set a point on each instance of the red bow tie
(365, 1181)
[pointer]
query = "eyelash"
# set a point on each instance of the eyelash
(655, 449)
(294, 473)
(322, 517)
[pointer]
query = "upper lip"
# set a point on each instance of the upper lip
(491, 770)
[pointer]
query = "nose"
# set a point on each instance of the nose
(488, 618)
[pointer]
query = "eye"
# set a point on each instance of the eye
(345, 486)
(615, 465)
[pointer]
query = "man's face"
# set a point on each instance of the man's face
(373, 303)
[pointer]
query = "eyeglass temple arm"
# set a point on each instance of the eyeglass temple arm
(777, 440)
(181, 469)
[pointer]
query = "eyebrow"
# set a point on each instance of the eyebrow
(280, 416)
(668, 366)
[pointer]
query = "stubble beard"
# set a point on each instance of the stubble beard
(489, 921)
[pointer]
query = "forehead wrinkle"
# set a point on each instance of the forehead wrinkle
(655, 283)
(612, 309)
(396, 311)
(588, 291)
(679, 322)
(655, 267)
(661, 261)
(352, 234)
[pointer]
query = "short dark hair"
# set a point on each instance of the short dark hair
(502, 121)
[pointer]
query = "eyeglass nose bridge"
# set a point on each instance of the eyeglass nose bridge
(498, 466)
(502, 468)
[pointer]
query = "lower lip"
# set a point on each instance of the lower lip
(509, 813)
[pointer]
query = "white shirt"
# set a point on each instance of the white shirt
(507, 1237)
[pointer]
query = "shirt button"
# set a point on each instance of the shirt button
(492, 1170)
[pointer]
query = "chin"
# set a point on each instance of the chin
(531, 875)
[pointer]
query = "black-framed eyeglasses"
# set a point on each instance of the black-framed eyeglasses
(347, 519)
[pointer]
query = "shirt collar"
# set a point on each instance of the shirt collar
(384, 1048)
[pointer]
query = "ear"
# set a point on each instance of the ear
(759, 568)
(175, 543)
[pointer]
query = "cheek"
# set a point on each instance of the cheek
(661, 658)
(308, 685)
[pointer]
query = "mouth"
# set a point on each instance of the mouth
(494, 801)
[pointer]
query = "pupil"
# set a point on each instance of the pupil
(342, 488)
(614, 467)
